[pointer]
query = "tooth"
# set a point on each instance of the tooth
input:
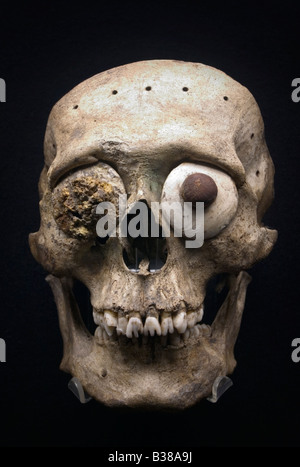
(106, 336)
(174, 339)
(191, 319)
(122, 325)
(206, 329)
(180, 322)
(152, 326)
(110, 318)
(98, 319)
(199, 314)
(166, 324)
(134, 327)
(186, 335)
(102, 322)
(196, 330)
(99, 334)
(108, 329)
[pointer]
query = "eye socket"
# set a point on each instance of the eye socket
(191, 182)
(77, 196)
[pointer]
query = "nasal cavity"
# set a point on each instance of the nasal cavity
(146, 246)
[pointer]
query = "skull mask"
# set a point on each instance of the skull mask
(153, 131)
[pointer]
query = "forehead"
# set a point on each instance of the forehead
(145, 110)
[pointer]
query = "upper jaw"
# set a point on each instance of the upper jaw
(163, 374)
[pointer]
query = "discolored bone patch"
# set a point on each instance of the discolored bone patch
(75, 201)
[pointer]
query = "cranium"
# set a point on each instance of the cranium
(142, 130)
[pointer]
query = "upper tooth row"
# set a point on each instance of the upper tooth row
(132, 325)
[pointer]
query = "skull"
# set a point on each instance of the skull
(151, 131)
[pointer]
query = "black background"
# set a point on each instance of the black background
(46, 51)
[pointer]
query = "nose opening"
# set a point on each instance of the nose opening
(146, 244)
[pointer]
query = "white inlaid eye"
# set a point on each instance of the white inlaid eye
(191, 182)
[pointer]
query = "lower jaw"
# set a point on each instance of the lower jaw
(152, 375)
(174, 340)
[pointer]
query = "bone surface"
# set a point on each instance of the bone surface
(139, 131)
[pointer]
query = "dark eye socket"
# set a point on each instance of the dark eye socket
(199, 187)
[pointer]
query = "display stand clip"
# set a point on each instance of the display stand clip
(221, 384)
(76, 387)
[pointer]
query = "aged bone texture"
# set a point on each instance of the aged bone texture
(143, 131)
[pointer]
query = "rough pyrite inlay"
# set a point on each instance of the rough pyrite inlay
(141, 130)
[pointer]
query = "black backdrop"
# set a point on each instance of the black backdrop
(46, 51)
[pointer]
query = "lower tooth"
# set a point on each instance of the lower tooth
(205, 329)
(186, 335)
(106, 336)
(99, 334)
(100, 320)
(109, 329)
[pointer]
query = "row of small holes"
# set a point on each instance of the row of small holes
(148, 88)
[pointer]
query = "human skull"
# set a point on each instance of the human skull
(141, 130)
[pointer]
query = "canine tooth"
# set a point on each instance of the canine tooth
(196, 330)
(152, 326)
(191, 319)
(166, 324)
(134, 327)
(180, 322)
(122, 325)
(110, 318)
